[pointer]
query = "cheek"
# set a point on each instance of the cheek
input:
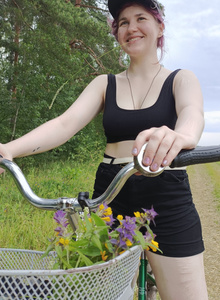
(120, 36)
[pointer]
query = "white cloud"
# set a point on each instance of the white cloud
(192, 42)
(210, 139)
(213, 117)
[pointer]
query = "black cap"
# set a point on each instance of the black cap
(115, 5)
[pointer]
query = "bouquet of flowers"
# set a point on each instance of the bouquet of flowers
(97, 238)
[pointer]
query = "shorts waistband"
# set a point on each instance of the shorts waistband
(126, 160)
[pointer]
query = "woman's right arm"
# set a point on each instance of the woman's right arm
(59, 130)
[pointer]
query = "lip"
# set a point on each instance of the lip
(133, 39)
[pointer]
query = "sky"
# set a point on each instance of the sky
(192, 36)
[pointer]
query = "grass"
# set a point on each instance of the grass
(213, 170)
(23, 226)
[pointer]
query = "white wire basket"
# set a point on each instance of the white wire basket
(24, 275)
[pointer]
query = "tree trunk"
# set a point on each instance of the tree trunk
(14, 79)
(78, 3)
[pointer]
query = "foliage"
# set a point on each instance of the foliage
(49, 53)
(23, 226)
(96, 240)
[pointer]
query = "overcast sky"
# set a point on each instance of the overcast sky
(193, 42)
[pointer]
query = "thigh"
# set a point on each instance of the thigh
(179, 278)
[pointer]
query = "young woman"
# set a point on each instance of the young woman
(145, 103)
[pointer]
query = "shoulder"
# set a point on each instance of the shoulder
(100, 80)
(187, 89)
(184, 77)
(97, 85)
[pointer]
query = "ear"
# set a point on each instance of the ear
(161, 30)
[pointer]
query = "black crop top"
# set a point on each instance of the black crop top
(124, 124)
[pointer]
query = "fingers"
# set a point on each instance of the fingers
(163, 145)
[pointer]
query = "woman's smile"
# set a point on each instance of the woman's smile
(134, 39)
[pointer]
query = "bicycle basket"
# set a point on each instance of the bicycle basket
(23, 275)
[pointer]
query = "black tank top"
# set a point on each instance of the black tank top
(124, 124)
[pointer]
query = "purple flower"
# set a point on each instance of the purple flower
(150, 214)
(59, 217)
(59, 230)
(127, 228)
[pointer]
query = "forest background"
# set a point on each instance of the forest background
(49, 51)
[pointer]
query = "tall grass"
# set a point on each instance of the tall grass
(23, 226)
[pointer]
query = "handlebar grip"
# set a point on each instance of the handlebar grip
(199, 155)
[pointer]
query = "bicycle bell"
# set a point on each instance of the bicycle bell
(145, 170)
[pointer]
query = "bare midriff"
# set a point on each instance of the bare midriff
(120, 149)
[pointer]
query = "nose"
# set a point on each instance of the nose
(132, 26)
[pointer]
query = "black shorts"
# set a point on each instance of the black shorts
(178, 228)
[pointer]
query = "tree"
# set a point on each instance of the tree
(49, 51)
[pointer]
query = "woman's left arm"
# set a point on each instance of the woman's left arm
(163, 143)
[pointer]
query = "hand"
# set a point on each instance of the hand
(163, 145)
(5, 154)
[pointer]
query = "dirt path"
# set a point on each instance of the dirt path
(202, 189)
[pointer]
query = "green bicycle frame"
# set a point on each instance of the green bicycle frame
(144, 277)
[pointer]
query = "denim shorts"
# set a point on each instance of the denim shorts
(178, 228)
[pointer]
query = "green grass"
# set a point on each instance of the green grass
(23, 226)
(213, 170)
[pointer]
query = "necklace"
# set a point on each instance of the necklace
(132, 97)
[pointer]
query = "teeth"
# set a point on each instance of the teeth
(134, 39)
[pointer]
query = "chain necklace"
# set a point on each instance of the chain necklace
(132, 97)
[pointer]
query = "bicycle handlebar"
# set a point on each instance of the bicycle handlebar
(199, 155)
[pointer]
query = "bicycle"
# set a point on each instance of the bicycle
(27, 282)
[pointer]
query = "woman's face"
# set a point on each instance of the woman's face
(138, 30)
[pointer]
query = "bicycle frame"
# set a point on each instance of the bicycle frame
(73, 206)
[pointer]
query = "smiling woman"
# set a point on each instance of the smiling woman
(137, 29)
(156, 10)
(145, 104)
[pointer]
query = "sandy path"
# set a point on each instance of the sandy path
(202, 189)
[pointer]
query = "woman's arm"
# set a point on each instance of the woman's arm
(163, 143)
(57, 131)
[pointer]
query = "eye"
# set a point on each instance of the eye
(123, 23)
(141, 18)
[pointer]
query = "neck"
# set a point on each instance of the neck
(143, 65)
(143, 69)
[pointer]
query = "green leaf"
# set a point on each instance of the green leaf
(85, 259)
(88, 223)
(96, 241)
(141, 239)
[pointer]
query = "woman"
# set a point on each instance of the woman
(145, 103)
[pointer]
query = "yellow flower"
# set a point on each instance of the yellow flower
(101, 207)
(106, 219)
(63, 241)
(137, 214)
(155, 244)
(108, 212)
(128, 243)
(120, 218)
(121, 252)
(104, 256)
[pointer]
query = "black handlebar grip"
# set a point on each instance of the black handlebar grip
(199, 155)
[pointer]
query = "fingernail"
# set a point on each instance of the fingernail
(134, 151)
(155, 166)
(165, 162)
(146, 161)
